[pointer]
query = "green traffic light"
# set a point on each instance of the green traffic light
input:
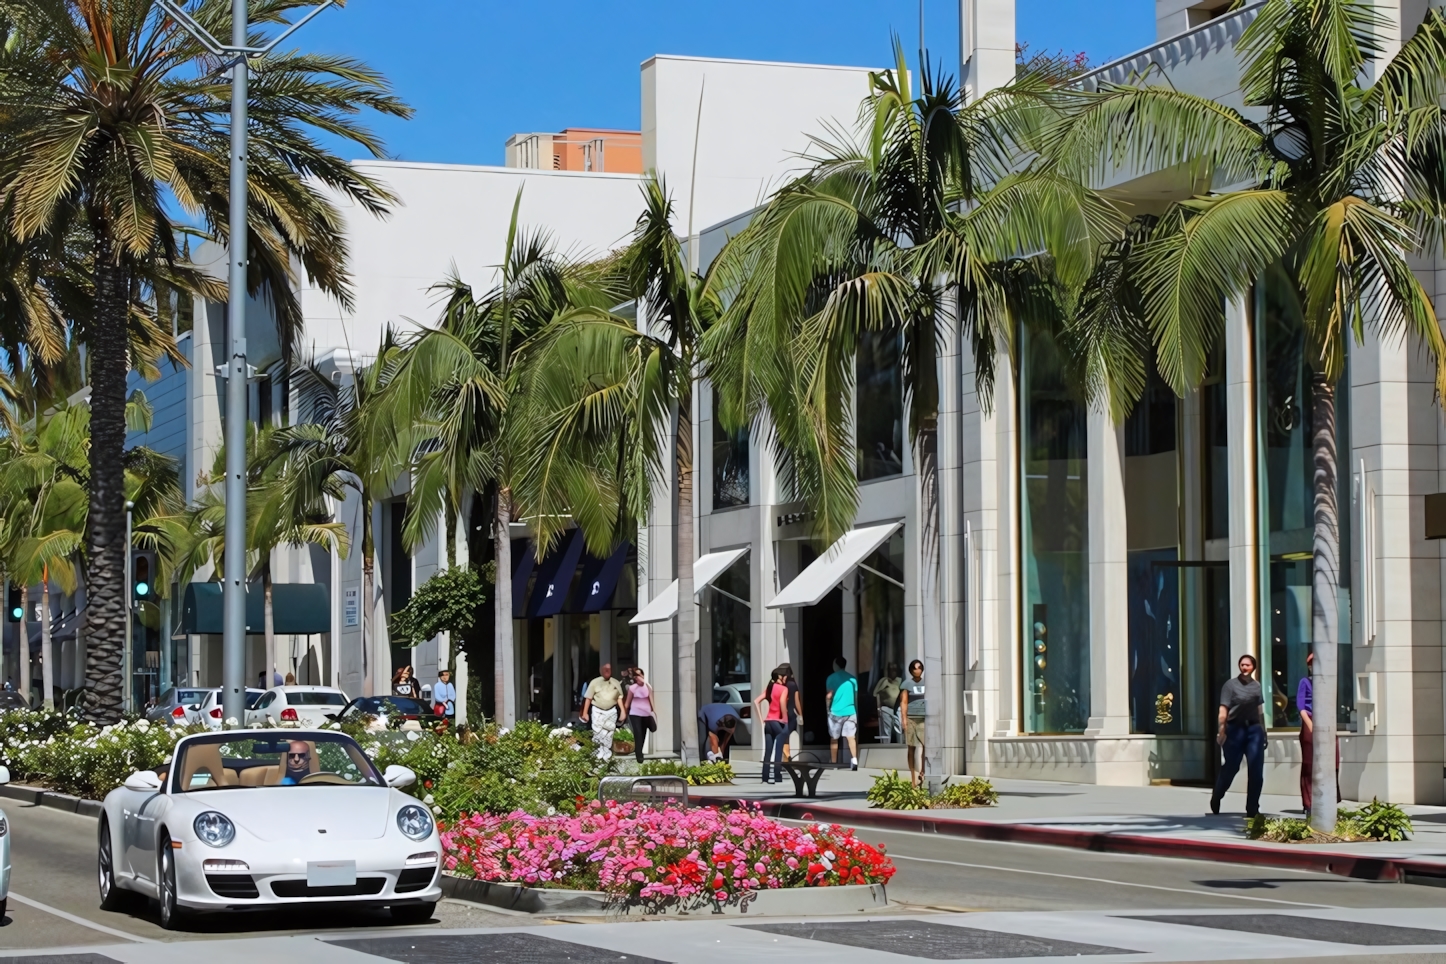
(142, 589)
(16, 613)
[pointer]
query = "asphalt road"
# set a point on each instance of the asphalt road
(53, 891)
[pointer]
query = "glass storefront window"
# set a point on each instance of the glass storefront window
(1152, 511)
(880, 593)
(729, 617)
(1285, 404)
(879, 406)
(1054, 534)
(730, 464)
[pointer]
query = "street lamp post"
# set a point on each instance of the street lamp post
(128, 661)
(237, 54)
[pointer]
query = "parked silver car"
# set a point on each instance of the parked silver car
(178, 706)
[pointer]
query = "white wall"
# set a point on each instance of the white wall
(457, 215)
(756, 118)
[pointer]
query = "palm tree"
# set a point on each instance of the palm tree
(272, 521)
(1342, 182)
(451, 390)
(113, 109)
(928, 208)
(341, 444)
(601, 390)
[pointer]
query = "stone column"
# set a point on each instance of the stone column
(1109, 598)
(1244, 482)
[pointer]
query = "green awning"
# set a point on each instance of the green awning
(297, 609)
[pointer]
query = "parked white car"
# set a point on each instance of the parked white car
(253, 819)
(209, 712)
(4, 851)
(296, 706)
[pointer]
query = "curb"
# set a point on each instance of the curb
(792, 902)
(1410, 870)
(36, 796)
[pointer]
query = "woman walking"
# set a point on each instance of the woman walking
(638, 705)
(795, 711)
(772, 708)
(912, 709)
(403, 684)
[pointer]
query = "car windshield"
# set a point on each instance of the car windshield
(227, 761)
(308, 698)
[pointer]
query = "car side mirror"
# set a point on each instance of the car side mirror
(143, 780)
(4, 775)
(398, 776)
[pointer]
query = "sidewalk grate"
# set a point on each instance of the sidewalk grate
(1330, 930)
(934, 941)
(512, 948)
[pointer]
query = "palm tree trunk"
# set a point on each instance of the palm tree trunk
(23, 650)
(450, 520)
(105, 537)
(1325, 606)
(687, 639)
(270, 625)
(47, 662)
(370, 669)
(504, 706)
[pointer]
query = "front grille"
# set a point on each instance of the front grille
(233, 885)
(298, 888)
(417, 878)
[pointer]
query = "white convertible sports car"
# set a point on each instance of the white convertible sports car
(4, 851)
(247, 819)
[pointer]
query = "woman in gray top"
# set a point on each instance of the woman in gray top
(1241, 734)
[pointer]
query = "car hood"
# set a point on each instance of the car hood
(301, 813)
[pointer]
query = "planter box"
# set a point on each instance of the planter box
(787, 902)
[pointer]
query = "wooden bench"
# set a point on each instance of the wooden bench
(807, 773)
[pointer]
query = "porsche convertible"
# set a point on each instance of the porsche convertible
(256, 819)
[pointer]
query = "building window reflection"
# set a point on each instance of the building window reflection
(730, 464)
(880, 590)
(1152, 510)
(1285, 406)
(1054, 515)
(879, 406)
(729, 616)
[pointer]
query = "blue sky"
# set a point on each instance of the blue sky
(478, 71)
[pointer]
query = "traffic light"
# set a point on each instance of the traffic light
(13, 607)
(145, 570)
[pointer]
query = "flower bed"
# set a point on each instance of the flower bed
(78, 758)
(656, 855)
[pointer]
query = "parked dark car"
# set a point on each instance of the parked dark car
(399, 708)
(12, 701)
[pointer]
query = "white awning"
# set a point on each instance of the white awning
(665, 604)
(829, 569)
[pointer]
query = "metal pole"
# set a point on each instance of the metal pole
(128, 662)
(233, 640)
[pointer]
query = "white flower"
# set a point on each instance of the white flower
(413, 736)
(143, 725)
(428, 800)
(437, 811)
(232, 721)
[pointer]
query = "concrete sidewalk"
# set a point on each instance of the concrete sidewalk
(1160, 821)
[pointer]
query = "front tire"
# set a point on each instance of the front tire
(171, 913)
(112, 898)
(413, 913)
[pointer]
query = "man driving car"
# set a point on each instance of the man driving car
(298, 763)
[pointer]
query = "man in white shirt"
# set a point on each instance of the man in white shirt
(602, 706)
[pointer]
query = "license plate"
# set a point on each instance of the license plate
(330, 873)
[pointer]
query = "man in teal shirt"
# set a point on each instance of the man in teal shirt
(843, 711)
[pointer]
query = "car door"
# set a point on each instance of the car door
(142, 855)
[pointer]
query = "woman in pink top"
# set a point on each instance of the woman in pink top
(772, 706)
(638, 705)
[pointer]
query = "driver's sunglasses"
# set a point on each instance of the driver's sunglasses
(297, 756)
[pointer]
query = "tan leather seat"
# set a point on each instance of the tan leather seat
(203, 768)
(261, 776)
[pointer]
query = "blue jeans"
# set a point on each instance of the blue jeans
(775, 734)
(1248, 742)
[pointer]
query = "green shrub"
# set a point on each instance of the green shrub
(90, 761)
(978, 792)
(701, 775)
(892, 792)
(1376, 820)
(1276, 829)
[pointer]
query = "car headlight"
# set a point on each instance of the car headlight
(415, 822)
(215, 829)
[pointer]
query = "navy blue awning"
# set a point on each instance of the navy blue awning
(599, 581)
(521, 572)
(554, 577)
